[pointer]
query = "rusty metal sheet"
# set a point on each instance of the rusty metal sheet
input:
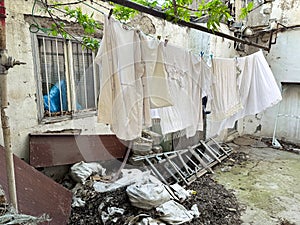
(37, 194)
(62, 149)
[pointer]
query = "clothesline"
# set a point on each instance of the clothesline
(142, 75)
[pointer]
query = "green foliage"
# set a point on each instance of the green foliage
(123, 13)
(90, 43)
(86, 21)
(58, 28)
(216, 11)
(245, 11)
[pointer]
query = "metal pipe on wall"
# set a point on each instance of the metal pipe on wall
(6, 62)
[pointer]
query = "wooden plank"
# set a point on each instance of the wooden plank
(61, 149)
(37, 194)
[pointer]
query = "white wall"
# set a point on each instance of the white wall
(284, 62)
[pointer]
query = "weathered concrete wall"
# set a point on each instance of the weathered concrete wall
(22, 89)
(283, 60)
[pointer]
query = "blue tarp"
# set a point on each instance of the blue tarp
(54, 96)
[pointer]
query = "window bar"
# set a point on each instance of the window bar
(94, 76)
(84, 79)
(72, 80)
(46, 71)
(59, 83)
(77, 70)
(52, 79)
(68, 82)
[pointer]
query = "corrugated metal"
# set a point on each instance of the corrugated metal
(288, 127)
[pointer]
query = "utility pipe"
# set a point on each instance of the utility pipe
(195, 26)
(6, 62)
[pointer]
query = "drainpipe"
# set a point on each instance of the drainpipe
(6, 62)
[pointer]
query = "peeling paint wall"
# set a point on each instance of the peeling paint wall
(283, 59)
(22, 89)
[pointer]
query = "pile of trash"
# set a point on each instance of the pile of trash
(138, 198)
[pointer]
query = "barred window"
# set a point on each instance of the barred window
(69, 79)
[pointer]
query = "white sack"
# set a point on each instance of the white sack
(129, 176)
(81, 171)
(180, 192)
(147, 196)
(174, 213)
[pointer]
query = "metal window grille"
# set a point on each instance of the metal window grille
(69, 76)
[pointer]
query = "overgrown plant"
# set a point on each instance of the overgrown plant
(86, 21)
(216, 11)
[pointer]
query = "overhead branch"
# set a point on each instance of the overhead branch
(162, 15)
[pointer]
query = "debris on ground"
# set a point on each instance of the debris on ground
(215, 205)
(8, 215)
(81, 171)
(283, 221)
(285, 145)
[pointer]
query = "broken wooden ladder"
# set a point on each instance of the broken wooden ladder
(185, 166)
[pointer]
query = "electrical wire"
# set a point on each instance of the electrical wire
(64, 4)
(105, 7)
(35, 27)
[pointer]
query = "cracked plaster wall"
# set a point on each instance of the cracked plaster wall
(283, 59)
(22, 90)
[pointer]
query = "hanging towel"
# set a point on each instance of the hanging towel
(155, 83)
(225, 98)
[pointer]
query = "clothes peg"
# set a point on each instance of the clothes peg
(202, 54)
(211, 56)
(166, 42)
(110, 13)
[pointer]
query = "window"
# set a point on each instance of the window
(68, 78)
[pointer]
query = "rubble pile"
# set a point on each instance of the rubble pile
(203, 202)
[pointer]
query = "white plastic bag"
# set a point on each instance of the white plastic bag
(174, 213)
(147, 196)
(180, 192)
(81, 171)
(129, 176)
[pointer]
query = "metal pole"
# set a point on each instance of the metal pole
(4, 105)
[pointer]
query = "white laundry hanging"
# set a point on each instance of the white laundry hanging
(133, 79)
(258, 90)
(121, 96)
(185, 80)
(224, 97)
(155, 83)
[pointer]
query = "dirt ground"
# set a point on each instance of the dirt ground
(255, 185)
(266, 184)
(216, 205)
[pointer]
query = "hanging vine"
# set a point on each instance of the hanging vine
(215, 12)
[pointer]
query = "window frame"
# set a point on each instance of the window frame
(70, 82)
